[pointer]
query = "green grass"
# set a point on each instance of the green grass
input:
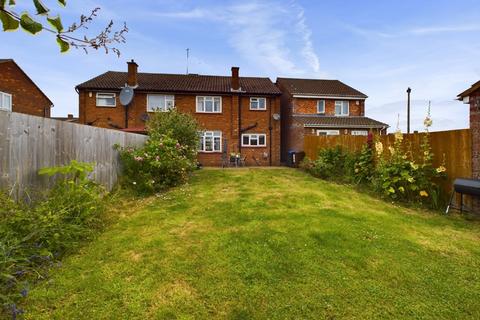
(269, 244)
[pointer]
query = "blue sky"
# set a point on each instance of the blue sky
(378, 47)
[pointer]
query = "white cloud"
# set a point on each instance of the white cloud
(262, 33)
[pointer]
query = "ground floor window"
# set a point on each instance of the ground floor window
(328, 132)
(359, 132)
(254, 140)
(210, 141)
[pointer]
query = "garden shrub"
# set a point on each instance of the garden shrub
(168, 156)
(397, 173)
(34, 237)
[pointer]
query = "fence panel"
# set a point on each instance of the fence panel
(29, 143)
(454, 148)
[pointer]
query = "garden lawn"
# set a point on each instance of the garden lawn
(269, 244)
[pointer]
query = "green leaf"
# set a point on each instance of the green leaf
(30, 25)
(56, 22)
(41, 8)
(63, 2)
(8, 22)
(11, 2)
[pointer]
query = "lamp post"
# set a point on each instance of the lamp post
(408, 109)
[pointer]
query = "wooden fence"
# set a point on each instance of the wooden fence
(29, 143)
(451, 148)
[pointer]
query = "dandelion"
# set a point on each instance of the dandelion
(379, 147)
(423, 193)
(441, 169)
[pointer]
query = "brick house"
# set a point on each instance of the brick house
(471, 96)
(237, 114)
(18, 93)
(321, 107)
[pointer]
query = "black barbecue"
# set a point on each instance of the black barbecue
(464, 186)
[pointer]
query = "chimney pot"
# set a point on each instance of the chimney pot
(70, 116)
(235, 78)
(132, 79)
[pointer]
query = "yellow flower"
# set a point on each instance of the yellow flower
(427, 122)
(398, 136)
(414, 166)
(423, 193)
(392, 150)
(356, 170)
(402, 189)
(441, 169)
(379, 147)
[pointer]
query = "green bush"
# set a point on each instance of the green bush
(331, 163)
(178, 126)
(364, 166)
(34, 237)
(168, 156)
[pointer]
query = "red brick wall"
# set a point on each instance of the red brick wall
(26, 97)
(309, 106)
(227, 122)
(475, 129)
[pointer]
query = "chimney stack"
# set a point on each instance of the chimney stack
(235, 79)
(132, 79)
(70, 116)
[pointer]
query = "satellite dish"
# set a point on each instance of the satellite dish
(126, 96)
(276, 116)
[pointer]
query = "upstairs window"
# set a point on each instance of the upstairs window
(254, 140)
(160, 102)
(210, 141)
(342, 108)
(5, 101)
(106, 100)
(209, 104)
(258, 104)
(321, 106)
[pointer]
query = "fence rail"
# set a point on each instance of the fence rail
(29, 143)
(452, 148)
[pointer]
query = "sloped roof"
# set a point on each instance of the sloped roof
(161, 82)
(319, 87)
(473, 88)
(28, 77)
(338, 122)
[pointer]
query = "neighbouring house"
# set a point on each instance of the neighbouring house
(68, 118)
(321, 107)
(239, 115)
(471, 96)
(18, 93)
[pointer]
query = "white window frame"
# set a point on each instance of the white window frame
(111, 94)
(341, 103)
(257, 100)
(359, 132)
(201, 101)
(321, 103)
(328, 132)
(167, 98)
(254, 136)
(3, 98)
(203, 141)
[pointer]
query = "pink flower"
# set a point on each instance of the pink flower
(178, 145)
(157, 158)
(138, 158)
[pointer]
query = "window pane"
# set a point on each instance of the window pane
(217, 104)
(105, 99)
(156, 103)
(200, 143)
(208, 144)
(208, 105)
(254, 140)
(254, 104)
(261, 103)
(261, 140)
(345, 107)
(200, 104)
(246, 140)
(217, 146)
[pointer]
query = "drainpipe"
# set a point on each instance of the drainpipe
(270, 131)
(240, 123)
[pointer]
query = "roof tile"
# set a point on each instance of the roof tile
(319, 87)
(338, 122)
